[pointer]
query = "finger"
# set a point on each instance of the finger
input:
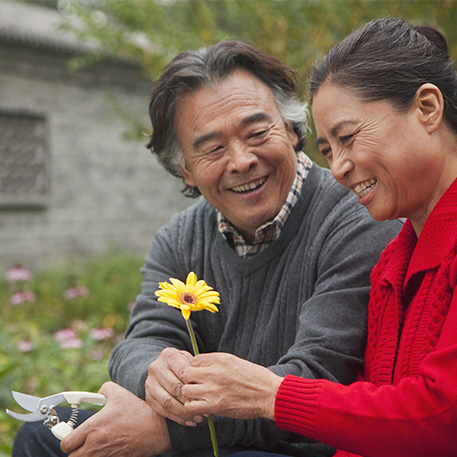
(205, 360)
(195, 392)
(167, 406)
(161, 385)
(164, 377)
(74, 440)
(198, 407)
(194, 375)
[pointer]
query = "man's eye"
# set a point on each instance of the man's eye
(259, 134)
(216, 148)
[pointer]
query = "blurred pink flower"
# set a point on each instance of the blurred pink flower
(68, 339)
(96, 355)
(74, 292)
(18, 273)
(21, 297)
(131, 305)
(100, 334)
(74, 343)
(65, 334)
(25, 345)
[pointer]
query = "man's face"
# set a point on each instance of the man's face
(237, 149)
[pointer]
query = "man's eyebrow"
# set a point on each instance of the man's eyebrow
(334, 130)
(257, 117)
(202, 139)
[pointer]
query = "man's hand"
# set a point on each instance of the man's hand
(164, 386)
(125, 427)
(226, 385)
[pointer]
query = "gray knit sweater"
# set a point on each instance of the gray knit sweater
(299, 307)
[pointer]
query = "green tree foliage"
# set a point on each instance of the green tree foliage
(297, 31)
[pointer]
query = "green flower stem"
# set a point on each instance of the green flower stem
(192, 337)
(212, 431)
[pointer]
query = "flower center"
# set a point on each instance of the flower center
(186, 298)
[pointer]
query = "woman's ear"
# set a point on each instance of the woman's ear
(187, 175)
(429, 100)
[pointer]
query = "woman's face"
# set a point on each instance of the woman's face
(383, 156)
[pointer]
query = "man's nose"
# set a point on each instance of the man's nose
(241, 159)
(340, 167)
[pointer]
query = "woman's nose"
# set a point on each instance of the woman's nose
(340, 167)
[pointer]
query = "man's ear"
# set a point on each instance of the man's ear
(429, 100)
(293, 138)
(187, 175)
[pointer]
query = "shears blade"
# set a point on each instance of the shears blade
(35, 405)
(28, 402)
(30, 417)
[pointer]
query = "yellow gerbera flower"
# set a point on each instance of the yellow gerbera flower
(192, 296)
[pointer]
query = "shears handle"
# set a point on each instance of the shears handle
(75, 398)
(62, 429)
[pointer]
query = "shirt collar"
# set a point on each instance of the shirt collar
(271, 230)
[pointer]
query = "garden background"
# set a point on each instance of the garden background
(59, 323)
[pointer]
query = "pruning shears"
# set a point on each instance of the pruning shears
(44, 409)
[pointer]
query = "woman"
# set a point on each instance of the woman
(385, 108)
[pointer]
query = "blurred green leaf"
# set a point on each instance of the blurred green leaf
(152, 32)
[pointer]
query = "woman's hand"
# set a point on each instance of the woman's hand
(226, 385)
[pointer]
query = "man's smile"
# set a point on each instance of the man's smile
(249, 186)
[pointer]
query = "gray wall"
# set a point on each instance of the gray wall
(104, 191)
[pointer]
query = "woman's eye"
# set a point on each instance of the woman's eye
(346, 138)
(326, 151)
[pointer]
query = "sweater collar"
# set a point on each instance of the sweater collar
(429, 250)
(439, 231)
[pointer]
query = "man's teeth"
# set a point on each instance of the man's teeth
(363, 188)
(250, 186)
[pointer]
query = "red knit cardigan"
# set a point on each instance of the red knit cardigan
(405, 400)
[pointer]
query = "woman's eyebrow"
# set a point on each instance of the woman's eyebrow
(335, 129)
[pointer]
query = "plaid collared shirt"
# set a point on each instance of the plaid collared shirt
(270, 231)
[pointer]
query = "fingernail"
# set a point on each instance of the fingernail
(191, 424)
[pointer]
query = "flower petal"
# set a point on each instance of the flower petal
(191, 279)
(185, 310)
(178, 284)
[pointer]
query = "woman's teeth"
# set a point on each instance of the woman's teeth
(250, 186)
(363, 188)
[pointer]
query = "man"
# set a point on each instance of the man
(289, 250)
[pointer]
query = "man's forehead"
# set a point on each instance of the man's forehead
(241, 99)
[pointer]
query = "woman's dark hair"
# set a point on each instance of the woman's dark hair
(196, 69)
(390, 59)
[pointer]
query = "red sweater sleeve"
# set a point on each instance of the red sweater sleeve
(417, 417)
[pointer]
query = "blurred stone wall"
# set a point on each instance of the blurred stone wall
(101, 191)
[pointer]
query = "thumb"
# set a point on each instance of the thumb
(109, 388)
